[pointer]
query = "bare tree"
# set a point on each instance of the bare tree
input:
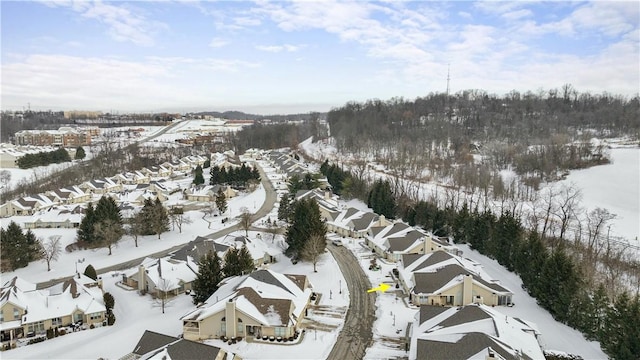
(136, 227)
(163, 294)
(273, 229)
(109, 232)
(245, 221)
(209, 210)
(51, 249)
(568, 203)
(178, 218)
(313, 248)
(5, 178)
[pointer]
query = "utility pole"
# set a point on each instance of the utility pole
(446, 100)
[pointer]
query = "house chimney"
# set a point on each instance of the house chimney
(230, 315)
(141, 278)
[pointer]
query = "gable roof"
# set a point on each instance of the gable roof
(446, 277)
(151, 341)
(472, 332)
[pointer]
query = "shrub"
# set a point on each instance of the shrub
(50, 333)
(111, 319)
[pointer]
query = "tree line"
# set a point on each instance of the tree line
(43, 158)
(552, 271)
(233, 176)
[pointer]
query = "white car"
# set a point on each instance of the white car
(337, 242)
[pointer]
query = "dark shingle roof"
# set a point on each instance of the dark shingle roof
(403, 243)
(151, 341)
(189, 350)
(434, 258)
(427, 312)
(469, 345)
(408, 259)
(364, 221)
(266, 277)
(427, 283)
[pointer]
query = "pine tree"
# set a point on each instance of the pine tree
(80, 153)
(209, 276)
(559, 284)
(306, 221)
(159, 220)
(231, 265)
(283, 209)
(198, 178)
(85, 230)
(381, 199)
(221, 201)
(215, 175)
(245, 261)
(621, 336)
(13, 241)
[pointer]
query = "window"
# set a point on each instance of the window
(36, 327)
(16, 313)
(223, 326)
(77, 317)
(240, 326)
(56, 321)
(95, 316)
(281, 331)
(1, 316)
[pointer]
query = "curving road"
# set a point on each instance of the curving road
(267, 206)
(356, 335)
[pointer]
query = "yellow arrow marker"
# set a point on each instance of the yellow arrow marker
(383, 287)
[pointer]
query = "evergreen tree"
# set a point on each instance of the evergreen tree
(221, 201)
(209, 276)
(621, 336)
(215, 175)
(306, 221)
(505, 240)
(231, 261)
(13, 246)
(32, 249)
(85, 230)
(381, 199)
(159, 221)
(245, 261)
(283, 209)
(90, 271)
(530, 261)
(198, 178)
(109, 301)
(559, 284)
(80, 154)
(461, 225)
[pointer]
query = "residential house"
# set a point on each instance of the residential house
(354, 223)
(27, 205)
(132, 178)
(445, 279)
(199, 247)
(263, 303)
(26, 311)
(227, 159)
(327, 201)
(65, 217)
(162, 277)
(163, 186)
(193, 161)
(156, 171)
(472, 332)
(69, 195)
(396, 239)
(260, 252)
(101, 186)
(156, 346)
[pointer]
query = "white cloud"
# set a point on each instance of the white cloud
(218, 42)
(123, 24)
(279, 48)
(517, 14)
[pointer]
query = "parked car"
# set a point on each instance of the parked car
(337, 242)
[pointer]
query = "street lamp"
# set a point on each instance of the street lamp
(340, 286)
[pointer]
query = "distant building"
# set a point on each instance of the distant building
(64, 137)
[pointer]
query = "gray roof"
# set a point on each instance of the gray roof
(427, 312)
(427, 283)
(434, 258)
(396, 228)
(364, 221)
(403, 243)
(469, 345)
(408, 259)
(151, 341)
(266, 277)
(198, 248)
(350, 212)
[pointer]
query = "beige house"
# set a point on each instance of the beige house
(394, 240)
(69, 195)
(206, 193)
(56, 217)
(263, 303)
(153, 345)
(355, 223)
(101, 186)
(162, 277)
(327, 202)
(26, 312)
(472, 332)
(28, 205)
(443, 279)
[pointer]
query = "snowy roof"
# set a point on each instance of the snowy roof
(266, 296)
(168, 274)
(154, 346)
(352, 218)
(42, 304)
(470, 332)
(396, 237)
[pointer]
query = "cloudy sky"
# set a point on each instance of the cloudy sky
(283, 57)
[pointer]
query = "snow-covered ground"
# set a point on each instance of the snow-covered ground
(135, 313)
